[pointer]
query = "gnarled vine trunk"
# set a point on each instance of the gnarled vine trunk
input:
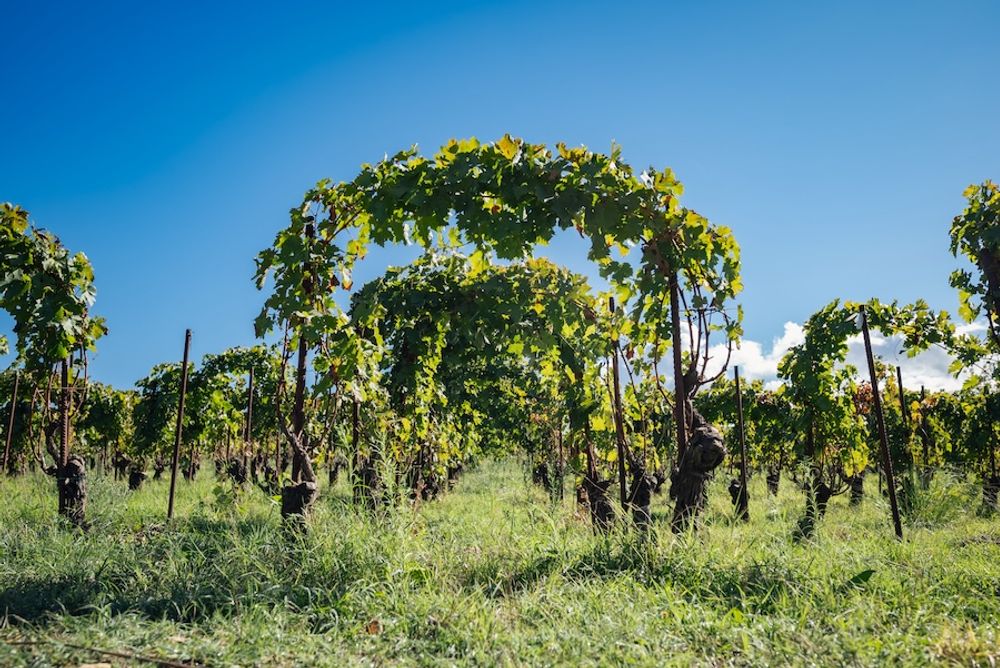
(595, 491)
(857, 486)
(71, 481)
(818, 495)
(705, 451)
(640, 499)
(237, 471)
(135, 478)
(602, 511)
(817, 492)
(71, 471)
(299, 495)
(297, 499)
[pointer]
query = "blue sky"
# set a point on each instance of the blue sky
(169, 140)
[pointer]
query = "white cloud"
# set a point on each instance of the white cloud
(928, 369)
(750, 356)
(971, 328)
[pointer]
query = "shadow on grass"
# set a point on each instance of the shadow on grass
(32, 599)
(192, 570)
(754, 587)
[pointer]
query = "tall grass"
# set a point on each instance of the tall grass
(493, 573)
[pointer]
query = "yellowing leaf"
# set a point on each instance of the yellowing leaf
(508, 147)
(965, 309)
(477, 263)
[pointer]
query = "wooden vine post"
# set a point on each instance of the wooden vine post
(680, 393)
(179, 428)
(10, 420)
(743, 500)
(64, 425)
(880, 422)
(617, 411)
(249, 420)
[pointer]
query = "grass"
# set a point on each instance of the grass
(492, 574)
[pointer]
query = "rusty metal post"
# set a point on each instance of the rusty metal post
(178, 430)
(880, 421)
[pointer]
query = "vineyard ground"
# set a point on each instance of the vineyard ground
(492, 574)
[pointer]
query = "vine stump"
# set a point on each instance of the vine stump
(72, 483)
(297, 499)
(705, 452)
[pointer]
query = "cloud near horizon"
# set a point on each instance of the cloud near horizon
(928, 369)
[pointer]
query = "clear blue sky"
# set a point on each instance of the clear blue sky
(168, 140)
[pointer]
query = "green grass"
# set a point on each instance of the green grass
(492, 574)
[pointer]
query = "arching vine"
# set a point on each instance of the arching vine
(503, 197)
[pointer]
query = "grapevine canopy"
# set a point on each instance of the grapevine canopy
(503, 198)
(822, 389)
(47, 291)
